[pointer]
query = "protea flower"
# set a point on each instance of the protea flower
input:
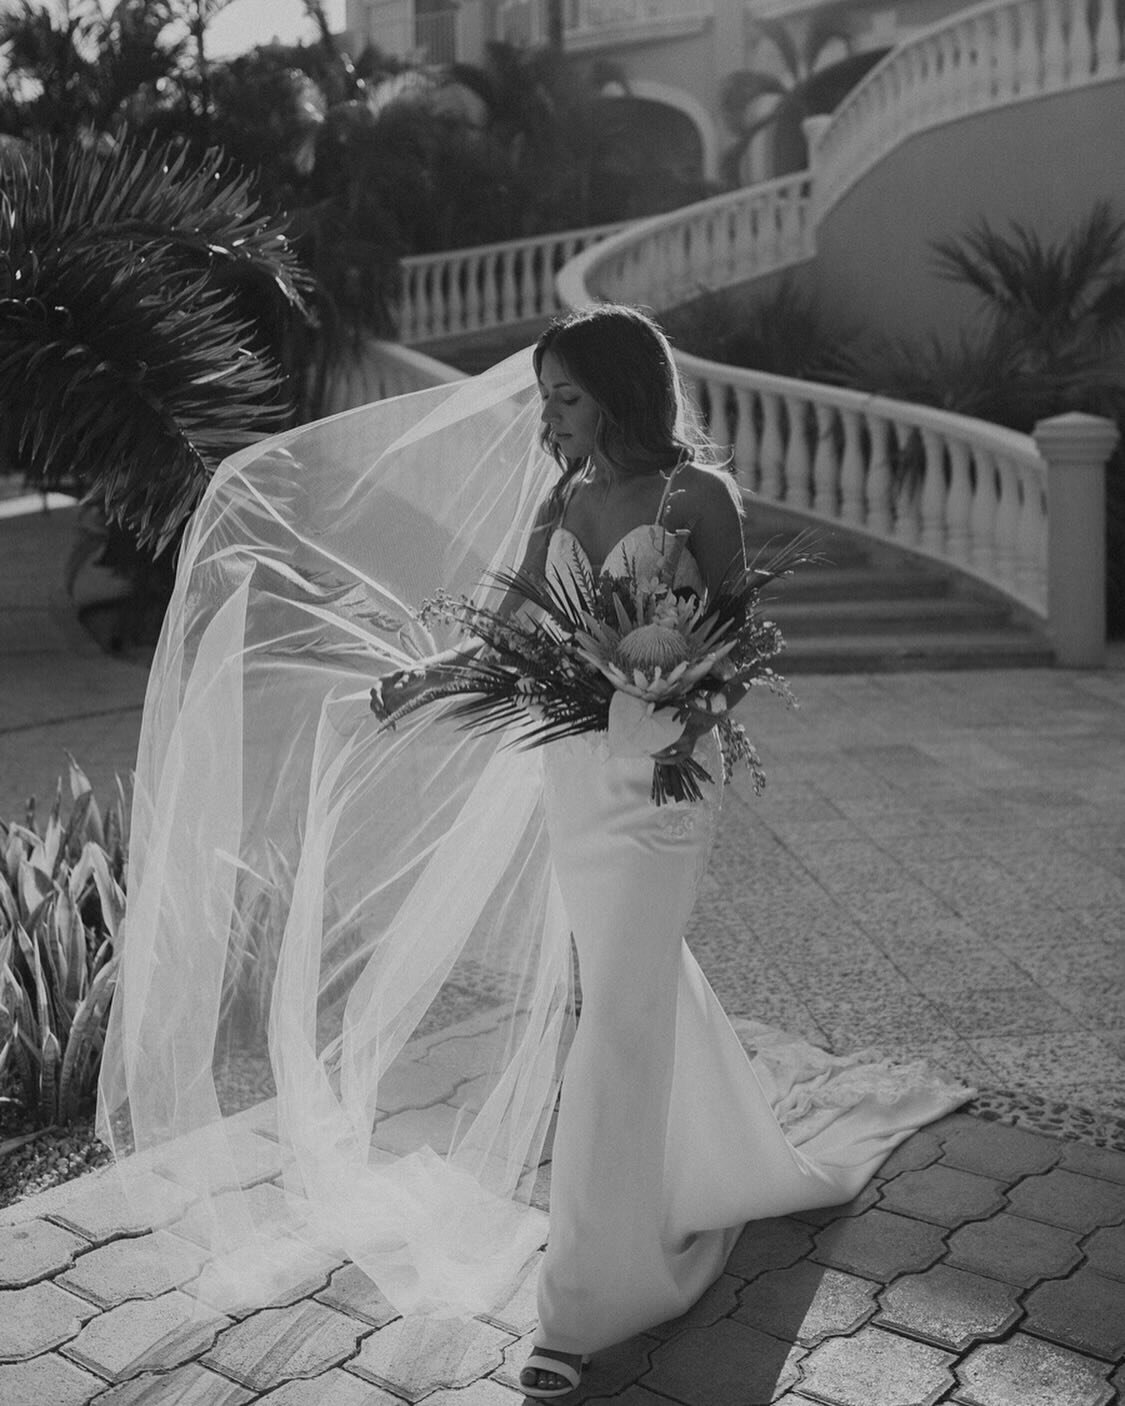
(662, 656)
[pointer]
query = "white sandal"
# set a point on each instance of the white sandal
(538, 1362)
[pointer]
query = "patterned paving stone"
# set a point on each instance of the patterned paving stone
(34, 1249)
(1086, 1312)
(47, 1381)
(190, 1385)
(715, 1303)
(141, 1268)
(874, 1368)
(350, 1291)
(879, 1245)
(720, 1365)
(412, 1357)
(145, 1335)
(995, 1150)
(1065, 1198)
(277, 1344)
(103, 1212)
(948, 1307)
(769, 1244)
(921, 1150)
(1105, 1251)
(945, 1195)
(824, 1215)
(1014, 1249)
(334, 1388)
(483, 1393)
(519, 1314)
(1028, 1372)
(806, 1303)
(1092, 1161)
(38, 1318)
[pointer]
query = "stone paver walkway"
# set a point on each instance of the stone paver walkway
(938, 866)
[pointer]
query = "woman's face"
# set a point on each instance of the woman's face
(570, 413)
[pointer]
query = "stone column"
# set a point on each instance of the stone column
(1075, 448)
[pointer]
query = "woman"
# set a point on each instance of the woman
(654, 1170)
(375, 928)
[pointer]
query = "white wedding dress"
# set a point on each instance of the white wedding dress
(669, 1135)
(344, 1001)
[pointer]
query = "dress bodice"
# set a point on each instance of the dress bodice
(644, 549)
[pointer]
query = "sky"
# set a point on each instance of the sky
(245, 23)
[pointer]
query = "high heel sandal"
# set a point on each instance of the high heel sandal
(541, 1361)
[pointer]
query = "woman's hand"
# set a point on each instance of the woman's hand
(697, 724)
(394, 690)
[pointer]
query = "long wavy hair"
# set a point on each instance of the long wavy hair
(623, 361)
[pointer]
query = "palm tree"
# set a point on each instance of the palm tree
(144, 305)
(779, 97)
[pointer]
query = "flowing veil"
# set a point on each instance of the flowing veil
(344, 998)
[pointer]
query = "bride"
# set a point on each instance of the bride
(348, 963)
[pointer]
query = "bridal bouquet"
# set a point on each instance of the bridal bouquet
(626, 656)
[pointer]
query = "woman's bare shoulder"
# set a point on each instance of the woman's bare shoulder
(703, 490)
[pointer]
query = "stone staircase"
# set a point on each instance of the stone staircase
(875, 608)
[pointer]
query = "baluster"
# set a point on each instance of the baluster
(851, 469)
(906, 485)
(528, 261)
(959, 501)
(877, 514)
(1005, 57)
(408, 306)
(982, 515)
(1031, 545)
(978, 86)
(1107, 40)
(1027, 52)
(798, 466)
(1054, 46)
(491, 311)
(1007, 529)
(772, 452)
(455, 318)
(472, 312)
(719, 426)
(825, 468)
(509, 292)
(931, 499)
(1080, 42)
(435, 320)
(745, 438)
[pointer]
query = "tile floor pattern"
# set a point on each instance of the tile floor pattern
(984, 1266)
(938, 866)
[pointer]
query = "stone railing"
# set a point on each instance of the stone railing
(469, 290)
(946, 486)
(669, 259)
(981, 58)
(964, 492)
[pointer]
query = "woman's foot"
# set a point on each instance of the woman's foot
(549, 1374)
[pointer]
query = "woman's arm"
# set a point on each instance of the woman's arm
(709, 508)
(404, 685)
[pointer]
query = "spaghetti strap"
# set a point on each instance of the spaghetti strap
(668, 491)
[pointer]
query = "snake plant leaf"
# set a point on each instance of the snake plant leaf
(84, 1042)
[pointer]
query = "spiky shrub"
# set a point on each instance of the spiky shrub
(62, 900)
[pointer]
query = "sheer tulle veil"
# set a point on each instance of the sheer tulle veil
(344, 993)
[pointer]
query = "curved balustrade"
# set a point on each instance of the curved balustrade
(671, 258)
(965, 492)
(981, 58)
(469, 290)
